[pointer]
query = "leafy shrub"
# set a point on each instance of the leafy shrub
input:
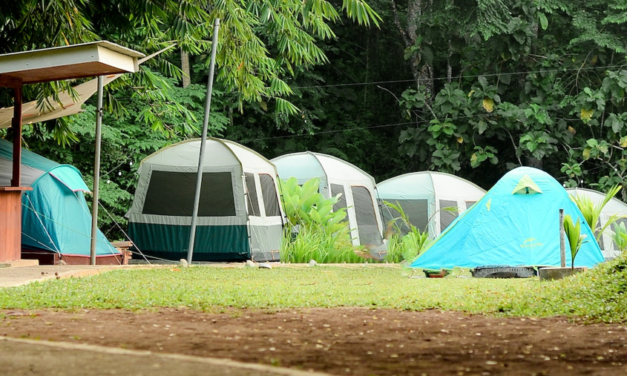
(591, 211)
(619, 236)
(315, 231)
(597, 295)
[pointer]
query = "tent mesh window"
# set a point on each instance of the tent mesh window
(447, 216)
(253, 200)
(417, 211)
(341, 203)
(270, 198)
(172, 194)
(366, 217)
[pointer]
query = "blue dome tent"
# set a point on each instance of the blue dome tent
(55, 216)
(516, 224)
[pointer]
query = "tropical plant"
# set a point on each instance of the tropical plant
(575, 239)
(312, 243)
(315, 230)
(304, 206)
(592, 211)
(619, 236)
(404, 247)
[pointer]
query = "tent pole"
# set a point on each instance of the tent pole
(201, 157)
(94, 205)
(17, 136)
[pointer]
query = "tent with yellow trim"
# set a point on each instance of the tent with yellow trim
(515, 224)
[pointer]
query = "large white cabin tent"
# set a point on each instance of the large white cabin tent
(614, 206)
(337, 176)
(240, 216)
(431, 200)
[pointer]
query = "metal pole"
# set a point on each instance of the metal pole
(17, 137)
(94, 207)
(562, 244)
(201, 157)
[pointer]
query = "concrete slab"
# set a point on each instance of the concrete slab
(38, 358)
(19, 263)
(12, 277)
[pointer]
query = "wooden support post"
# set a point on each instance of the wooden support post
(16, 126)
(562, 242)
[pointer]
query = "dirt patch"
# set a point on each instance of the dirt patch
(347, 341)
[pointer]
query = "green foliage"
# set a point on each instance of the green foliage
(575, 239)
(619, 236)
(592, 211)
(304, 206)
(596, 295)
(315, 230)
(406, 242)
(312, 243)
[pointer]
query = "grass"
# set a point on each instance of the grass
(313, 243)
(597, 295)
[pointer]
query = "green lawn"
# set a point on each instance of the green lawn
(596, 295)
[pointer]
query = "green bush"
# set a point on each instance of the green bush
(315, 231)
(619, 236)
(597, 295)
(591, 211)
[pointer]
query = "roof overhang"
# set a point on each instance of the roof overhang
(67, 62)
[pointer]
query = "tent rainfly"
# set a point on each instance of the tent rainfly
(55, 216)
(614, 206)
(516, 224)
(423, 196)
(239, 217)
(338, 176)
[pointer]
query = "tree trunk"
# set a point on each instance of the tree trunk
(185, 68)
(449, 68)
(423, 75)
(533, 162)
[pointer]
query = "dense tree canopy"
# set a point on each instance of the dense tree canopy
(472, 87)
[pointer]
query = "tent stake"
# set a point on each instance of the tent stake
(562, 244)
(192, 233)
(94, 205)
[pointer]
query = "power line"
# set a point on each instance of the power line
(468, 76)
(326, 132)
(375, 127)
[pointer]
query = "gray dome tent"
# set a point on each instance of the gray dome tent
(338, 176)
(240, 216)
(423, 195)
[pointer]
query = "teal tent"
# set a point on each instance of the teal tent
(55, 216)
(516, 224)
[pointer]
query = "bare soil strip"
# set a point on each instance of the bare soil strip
(345, 341)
